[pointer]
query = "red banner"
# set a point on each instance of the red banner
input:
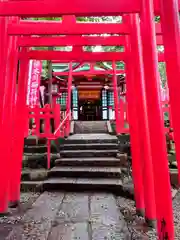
(34, 78)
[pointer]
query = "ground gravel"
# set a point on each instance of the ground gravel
(136, 224)
(176, 208)
(16, 215)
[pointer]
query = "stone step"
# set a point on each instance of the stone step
(174, 177)
(85, 172)
(79, 185)
(89, 141)
(34, 174)
(35, 149)
(88, 153)
(96, 146)
(82, 184)
(106, 162)
(38, 160)
(91, 138)
(90, 127)
(32, 141)
(32, 186)
(39, 149)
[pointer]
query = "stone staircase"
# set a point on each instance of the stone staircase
(90, 127)
(35, 153)
(88, 163)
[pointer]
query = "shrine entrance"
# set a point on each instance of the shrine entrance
(90, 105)
(90, 110)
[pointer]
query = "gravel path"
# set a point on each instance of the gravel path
(135, 224)
(176, 207)
(7, 224)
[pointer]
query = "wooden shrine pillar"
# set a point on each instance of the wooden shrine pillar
(21, 114)
(134, 133)
(171, 35)
(141, 110)
(4, 121)
(69, 97)
(12, 63)
(156, 122)
(116, 100)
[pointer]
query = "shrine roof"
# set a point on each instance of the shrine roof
(77, 67)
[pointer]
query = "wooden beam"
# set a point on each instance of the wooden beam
(74, 56)
(86, 73)
(161, 57)
(27, 41)
(57, 8)
(62, 29)
(56, 28)
(159, 40)
(79, 56)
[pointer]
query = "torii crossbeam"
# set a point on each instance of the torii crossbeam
(76, 7)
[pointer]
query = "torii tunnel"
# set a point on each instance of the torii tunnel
(101, 88)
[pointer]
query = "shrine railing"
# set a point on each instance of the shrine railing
(48, 123)
(123, 115)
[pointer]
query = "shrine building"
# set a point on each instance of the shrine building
(92, 90)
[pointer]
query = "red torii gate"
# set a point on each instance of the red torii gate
(88, 8)
(159, 158)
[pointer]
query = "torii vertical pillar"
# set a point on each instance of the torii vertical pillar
(162, 185)
(116, 99)
(171, 37)
(144, 140)
(68, 104)
(4, 111)
(11, 77)
(134, 133)
(21, 115)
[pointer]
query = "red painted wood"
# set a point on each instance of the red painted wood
(158, 29)
(86, 73)
(46, 113)
(144, 139)
(75, 29)
(134, 132)
(160, 56)
(76, 56)
(159, 40)
(10, 104)
(121, 112)
(171, 30)
(50, 28)
(5, 165)
(68, 104)
(78, 7)
(20, 125)
(71, 41)
(27, 41)
(156, 122)
(116, 100)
